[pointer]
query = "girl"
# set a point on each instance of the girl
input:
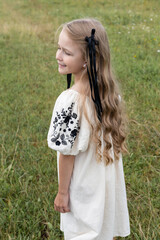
(87, 131)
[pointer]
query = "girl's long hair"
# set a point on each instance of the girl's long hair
(113, 120)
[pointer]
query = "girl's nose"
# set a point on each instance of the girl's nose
(59, 55)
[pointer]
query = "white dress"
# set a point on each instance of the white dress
(98, 200)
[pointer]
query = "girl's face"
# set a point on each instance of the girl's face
(69, 56)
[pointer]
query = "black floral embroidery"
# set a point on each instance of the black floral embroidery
(65, 127)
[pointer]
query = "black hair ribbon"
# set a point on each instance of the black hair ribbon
(93, 77)
(69, 76)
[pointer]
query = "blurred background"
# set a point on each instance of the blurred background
(30, 84)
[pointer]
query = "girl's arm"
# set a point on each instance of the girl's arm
(66, 164)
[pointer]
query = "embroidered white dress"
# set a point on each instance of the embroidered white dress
(98, 200)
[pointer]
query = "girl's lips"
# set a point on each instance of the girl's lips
(60, 65)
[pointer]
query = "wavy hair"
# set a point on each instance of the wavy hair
(113, 115)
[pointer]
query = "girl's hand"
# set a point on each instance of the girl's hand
(61, 202)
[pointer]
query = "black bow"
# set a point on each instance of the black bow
(93, 78)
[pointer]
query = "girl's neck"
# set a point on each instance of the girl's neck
(81, 87)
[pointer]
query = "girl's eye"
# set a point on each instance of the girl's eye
(67, 53)
(64, 51)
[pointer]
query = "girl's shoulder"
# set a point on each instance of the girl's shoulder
(71, 99)
(70, 95)
(66, 99)
(67, 96)
(69, 91)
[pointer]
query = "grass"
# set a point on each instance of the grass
(30, 84)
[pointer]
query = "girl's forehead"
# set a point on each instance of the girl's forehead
(66, 41)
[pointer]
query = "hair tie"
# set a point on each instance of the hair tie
(93, 77)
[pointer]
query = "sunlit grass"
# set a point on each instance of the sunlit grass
(30, 84)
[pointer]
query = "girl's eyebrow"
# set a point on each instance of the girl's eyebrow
(64, 48)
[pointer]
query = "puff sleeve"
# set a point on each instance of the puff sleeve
(69, 132)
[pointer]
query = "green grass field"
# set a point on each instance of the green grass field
(30, 84)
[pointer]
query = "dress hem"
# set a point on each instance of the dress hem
(115, 235)
(122, 235)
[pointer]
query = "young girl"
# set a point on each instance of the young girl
(87, 131)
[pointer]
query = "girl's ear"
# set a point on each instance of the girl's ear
(85, 64)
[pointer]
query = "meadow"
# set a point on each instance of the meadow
(29, 86)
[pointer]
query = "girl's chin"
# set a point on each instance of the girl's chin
(63, 71)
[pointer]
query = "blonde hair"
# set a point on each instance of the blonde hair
(113, 121)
